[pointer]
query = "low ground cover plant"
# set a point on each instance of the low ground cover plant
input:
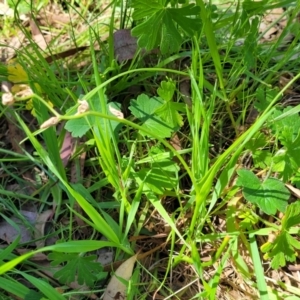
(150, 150)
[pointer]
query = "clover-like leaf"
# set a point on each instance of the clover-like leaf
(270, 195)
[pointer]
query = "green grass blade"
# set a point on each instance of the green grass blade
(258, 269)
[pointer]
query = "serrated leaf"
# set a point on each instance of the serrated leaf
(264, 98)
(166, 90)
(82, 268)
(143, 106)
(266, 247)
(144, 109)
(289, 158)
(247, 178)
(285, 129)
(169, 111)
(292, 216)
(170, 37)
(270, 195)
(262, 159)
(278, 261)
(145, 8)
(282, 251)
(185, 17)
(79, 127)
(163, 22)
(16, 73)
(149, 39)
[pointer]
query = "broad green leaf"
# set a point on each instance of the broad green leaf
(186, 17)
(170, 37)
(287, 128)
(82, 268)
(144, 109)
(283, 250)
(166, 90)
(163, 22)
(262, 159)
(144, 8)
(270, 195)
(149, 39)
(169, 111)
(289, 157)
(157, 179)
(79, 127)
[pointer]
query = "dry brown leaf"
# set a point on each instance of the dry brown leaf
(175, 142)
(115, 289)
(66, 149)
(125, 45)
(40, 224)
(184, 88)
(8, 233)
(37, 35)
(294, 191)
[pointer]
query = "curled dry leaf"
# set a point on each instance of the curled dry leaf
(116, 112)
(8, 99)
(83, 107)
(24, 92)
(50, 122)
(116, 290)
